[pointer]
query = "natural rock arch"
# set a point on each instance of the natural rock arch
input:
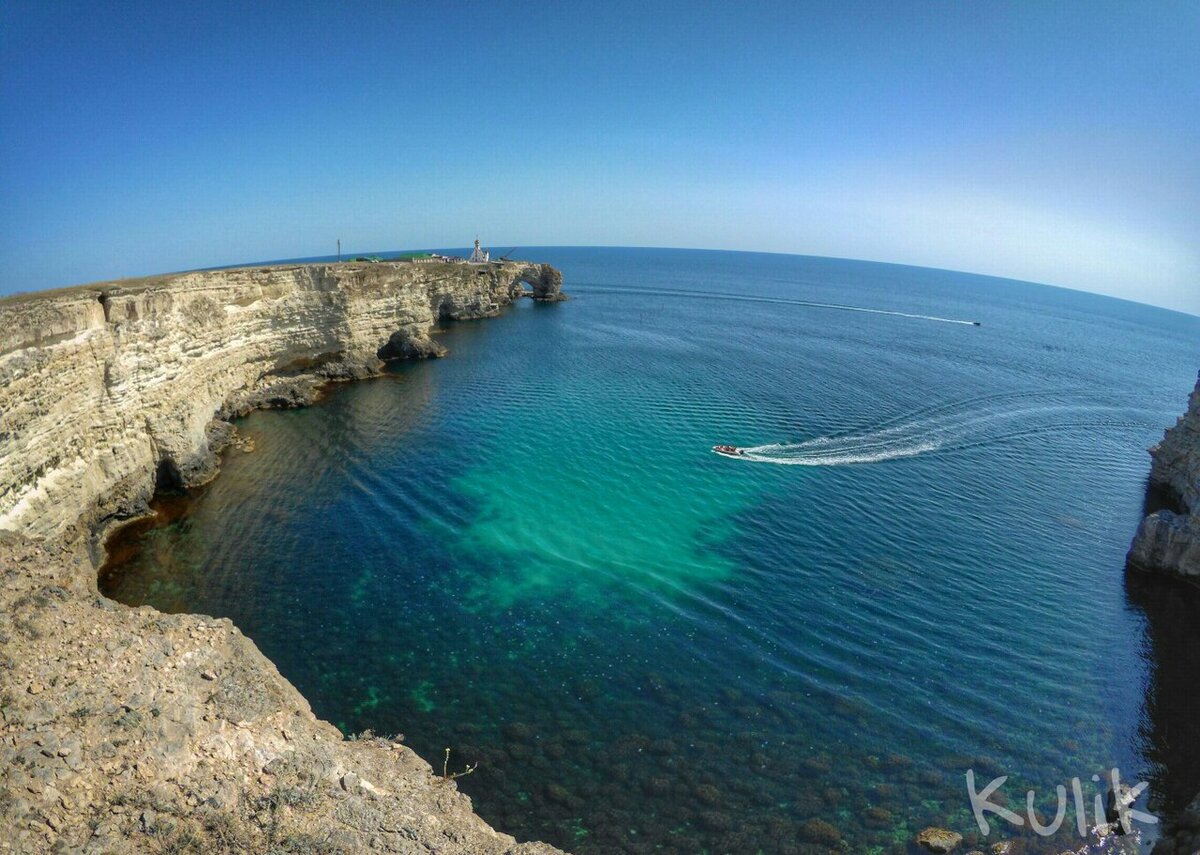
(545, 281)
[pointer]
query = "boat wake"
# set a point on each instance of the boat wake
(950, 427)
(782, 301)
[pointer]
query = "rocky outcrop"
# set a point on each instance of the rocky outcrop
(1168, 542)
(546, 282)
(1182, 834)
(1168, 539)
(939, 839)
(126, 730)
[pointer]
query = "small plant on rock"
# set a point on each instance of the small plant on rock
(447, 775)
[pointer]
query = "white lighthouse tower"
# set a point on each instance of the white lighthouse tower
(479, 256)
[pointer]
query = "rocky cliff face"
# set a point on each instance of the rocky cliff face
(108, 390)
(125, 730)
(1168, 539)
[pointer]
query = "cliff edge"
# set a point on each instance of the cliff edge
(127, 730)
(109, 390)
(1168, 542)
(1168, 538)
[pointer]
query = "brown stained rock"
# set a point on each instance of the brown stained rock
(821, 833)
(939, 840)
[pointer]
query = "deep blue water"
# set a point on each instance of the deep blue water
(528, 553)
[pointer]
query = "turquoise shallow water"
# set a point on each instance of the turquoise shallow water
(527, 552)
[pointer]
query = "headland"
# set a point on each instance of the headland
(1168, 539)
(128, 730)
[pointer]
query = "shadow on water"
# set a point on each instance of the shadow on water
(155, 538)
(1170, 725)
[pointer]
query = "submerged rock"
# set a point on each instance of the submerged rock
(820, 832)
(877, 817)
(939, 840)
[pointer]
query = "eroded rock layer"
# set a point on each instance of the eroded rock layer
(108, 390)
(1168, 539)
(126, 730)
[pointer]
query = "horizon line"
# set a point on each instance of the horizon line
(323, 258)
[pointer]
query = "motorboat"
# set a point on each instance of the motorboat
(729, 450)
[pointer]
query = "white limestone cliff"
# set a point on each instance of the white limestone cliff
(108, 390)
(124, 730)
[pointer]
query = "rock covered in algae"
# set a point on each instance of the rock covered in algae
(939, 840)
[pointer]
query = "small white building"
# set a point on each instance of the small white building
(479, 256)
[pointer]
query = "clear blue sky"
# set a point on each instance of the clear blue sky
(1052, 141)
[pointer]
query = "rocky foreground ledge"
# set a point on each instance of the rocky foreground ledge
(127, 730)
(1168, 539)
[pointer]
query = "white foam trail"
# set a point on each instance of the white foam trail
(785, 455)
(942, 428)
(745, 298)
(880, 312)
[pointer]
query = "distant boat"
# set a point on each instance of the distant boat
(729, 450)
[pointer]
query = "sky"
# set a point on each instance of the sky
(1055, 142)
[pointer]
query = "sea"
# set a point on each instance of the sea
(527, 553)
